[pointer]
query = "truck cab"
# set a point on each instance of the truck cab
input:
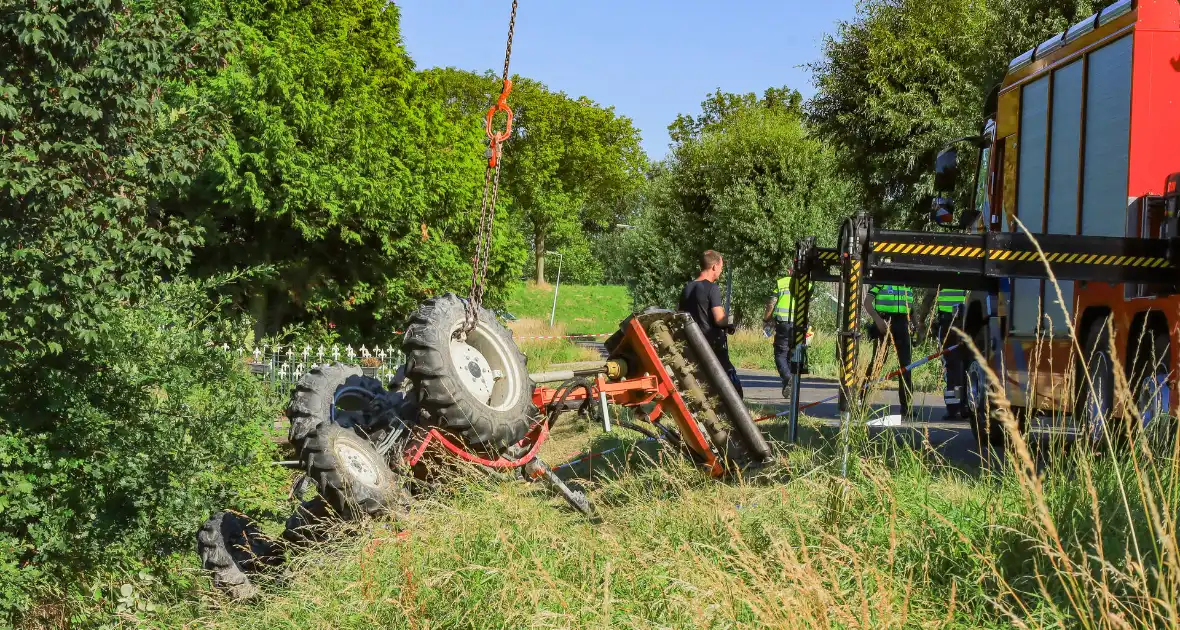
(1082, 141)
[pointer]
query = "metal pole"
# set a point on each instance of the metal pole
(850, 286)
(556, 288)
(801, 296)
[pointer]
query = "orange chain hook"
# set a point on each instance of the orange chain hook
(498, 137)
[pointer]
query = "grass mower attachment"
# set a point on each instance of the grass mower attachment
(661, 366)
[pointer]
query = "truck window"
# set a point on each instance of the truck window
(1030, 194)
(1107, 152)
(1065, 156)
(981, 202)
(1034, 144)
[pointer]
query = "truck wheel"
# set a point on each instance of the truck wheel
(336, 393)
(231, 547)
(1095, 407)
(986, 427)
(349, 473)
(1149, 383)
(477, 388)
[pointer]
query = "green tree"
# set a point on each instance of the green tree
(570, 166)
(87, 138)
(906, 76)
(747, 184)
(120, 429)
(341, 171)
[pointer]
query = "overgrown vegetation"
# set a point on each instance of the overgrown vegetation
(178, 173)
(907, 539)
(109, 460)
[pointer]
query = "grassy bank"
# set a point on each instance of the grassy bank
(580, 309)
(545, 353)
(906, 541)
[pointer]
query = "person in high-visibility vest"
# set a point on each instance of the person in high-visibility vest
(780, 310)
(889, 307)
(951, 304)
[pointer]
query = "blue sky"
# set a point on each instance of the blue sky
(651, 59)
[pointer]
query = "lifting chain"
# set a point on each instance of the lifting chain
(491, 189)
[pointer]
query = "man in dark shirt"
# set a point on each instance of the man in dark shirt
(701, 299)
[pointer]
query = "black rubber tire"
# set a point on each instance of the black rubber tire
(307, 524)
(444, 400)
(231, 547)
(1153, 362)
(349, 473)
(1095, 405)
(314, 396)
(977, 406)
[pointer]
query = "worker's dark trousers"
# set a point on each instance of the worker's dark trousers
(783, 331)
(720, 343)
(899, 329)
(952, 362)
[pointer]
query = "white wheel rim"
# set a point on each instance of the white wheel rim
(473, 369)
(488, 366)
(359, 466)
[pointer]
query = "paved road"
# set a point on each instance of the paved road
(952, 439)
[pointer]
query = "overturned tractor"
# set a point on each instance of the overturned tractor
(465, 395)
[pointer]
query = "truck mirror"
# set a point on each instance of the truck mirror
(942, 211)
(946, 170)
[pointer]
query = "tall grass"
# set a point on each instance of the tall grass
(1049, 534)
(907, 540)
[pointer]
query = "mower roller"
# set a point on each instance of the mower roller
(661, 366)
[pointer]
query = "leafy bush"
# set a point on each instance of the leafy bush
(748, 182)
(113, 453)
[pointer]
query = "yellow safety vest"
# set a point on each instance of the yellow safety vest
(784, 306)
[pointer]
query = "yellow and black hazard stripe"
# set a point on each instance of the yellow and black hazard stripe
(914, 249)
(1082, 259)
(829, 256)
(847, 342)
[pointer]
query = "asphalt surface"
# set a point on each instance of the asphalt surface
(952, 439)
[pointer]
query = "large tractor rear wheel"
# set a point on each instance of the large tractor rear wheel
(474, 386)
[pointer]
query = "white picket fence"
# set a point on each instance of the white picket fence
(281, 366)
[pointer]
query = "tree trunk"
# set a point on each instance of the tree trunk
(539, 244)
(259, 311)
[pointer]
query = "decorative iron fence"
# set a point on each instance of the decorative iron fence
(281, 366)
